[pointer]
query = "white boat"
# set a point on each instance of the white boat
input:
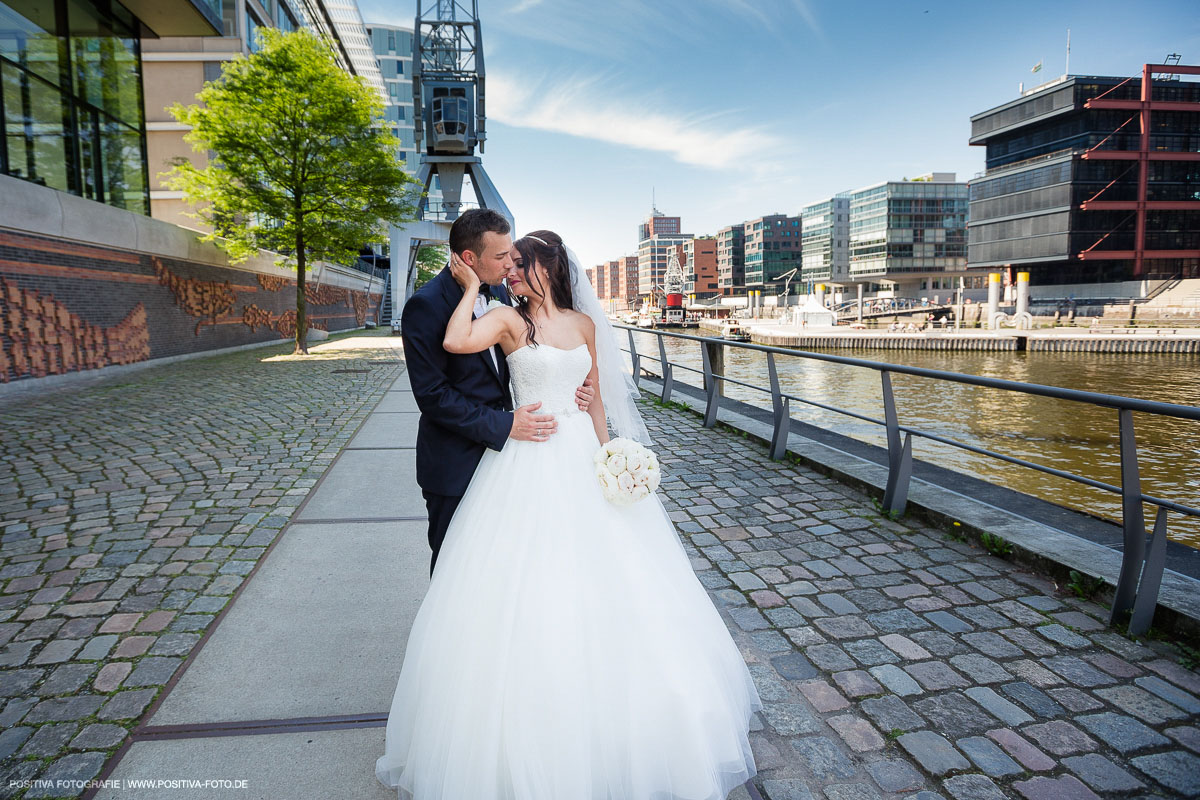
(734, 332)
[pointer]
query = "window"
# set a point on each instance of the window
(252, 26)
(70, 101)
(391, 42)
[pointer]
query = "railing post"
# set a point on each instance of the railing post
(895, 497)
(1146, 600)
(635, 359)
(1133, 522)
(780, 411)
(667, 380)
(713, 356)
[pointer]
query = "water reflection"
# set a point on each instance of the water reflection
(1074, 437)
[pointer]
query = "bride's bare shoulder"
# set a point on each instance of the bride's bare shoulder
(582, 320)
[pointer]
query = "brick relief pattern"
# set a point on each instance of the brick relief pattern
(272, 283)
(325, 295)
(68, 305)
(206, 299)
(40, 336)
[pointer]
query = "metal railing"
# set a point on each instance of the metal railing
(1142, 561)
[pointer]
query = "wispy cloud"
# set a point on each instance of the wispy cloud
(524, 5)
(580, 107)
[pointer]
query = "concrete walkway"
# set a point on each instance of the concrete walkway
(291, 690)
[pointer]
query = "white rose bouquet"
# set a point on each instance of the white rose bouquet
(626, 470)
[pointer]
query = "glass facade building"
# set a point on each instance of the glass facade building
(905, 231)
(773, 247)
(1060, 197)
(71, 100)
(824, 241)
(393, 46)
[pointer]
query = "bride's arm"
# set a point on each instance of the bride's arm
(467, 335)
(596, 409)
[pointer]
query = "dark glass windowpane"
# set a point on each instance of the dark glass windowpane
(27, 37)
(105, 60)
(124, 178)
(34, 134)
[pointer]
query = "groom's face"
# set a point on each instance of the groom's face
(494, 259)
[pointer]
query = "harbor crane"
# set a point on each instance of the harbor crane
(449, 124)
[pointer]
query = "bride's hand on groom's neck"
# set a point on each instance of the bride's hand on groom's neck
(463, 274)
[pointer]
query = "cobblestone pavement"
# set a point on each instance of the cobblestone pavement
(895, 661)
(130, 510)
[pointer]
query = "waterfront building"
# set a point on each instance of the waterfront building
(773, 247)
(658, 234)
(177, 67)
(909, 236)
(825, 241)
(731, 259)
(1079, 190)
(698, 257)
(627, 282)
(71, 84)
(393, 46)
(657, 223)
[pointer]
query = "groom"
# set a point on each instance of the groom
(464, 399)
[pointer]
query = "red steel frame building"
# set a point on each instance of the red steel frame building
(1143, 155)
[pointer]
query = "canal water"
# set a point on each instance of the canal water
(1075, 437)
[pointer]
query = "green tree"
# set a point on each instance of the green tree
(298, 161)
(430, 260)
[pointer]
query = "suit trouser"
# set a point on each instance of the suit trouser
(441, 510)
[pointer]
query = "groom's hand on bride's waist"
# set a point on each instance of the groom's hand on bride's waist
(584, 395)
(530, 426)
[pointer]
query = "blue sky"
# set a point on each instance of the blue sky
(731, 109)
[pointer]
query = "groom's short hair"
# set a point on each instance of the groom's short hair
(467, 231)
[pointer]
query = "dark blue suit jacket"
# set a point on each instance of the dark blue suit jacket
(464, 399)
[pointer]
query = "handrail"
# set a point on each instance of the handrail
(1078, 395)
(1142, 563)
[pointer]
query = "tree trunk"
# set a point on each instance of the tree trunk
(301, 301)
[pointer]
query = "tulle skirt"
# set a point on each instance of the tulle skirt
(565, 649)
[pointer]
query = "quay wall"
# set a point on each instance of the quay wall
(84, 286)
(1084, 340)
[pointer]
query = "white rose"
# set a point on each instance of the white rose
(616, 464)
(640, 492)
(615, 446)
(608, 483)
(635, 461)
(625, 482)
(492, 303)
(641, 476)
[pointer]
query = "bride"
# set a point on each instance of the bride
(565, 649)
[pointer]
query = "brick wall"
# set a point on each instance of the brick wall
(66, 306)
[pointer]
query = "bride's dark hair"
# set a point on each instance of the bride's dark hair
(551, 253)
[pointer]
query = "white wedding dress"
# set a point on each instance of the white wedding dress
(565, 649)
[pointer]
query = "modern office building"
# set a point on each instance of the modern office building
(909, 235)
(177, 67)
(698, 257)
(731, 259)
(773, 248)
(825, 242)
(1091, 180)
(652, 262)
(657, 235)
(71, 82)
(657, 223)
(393, 47)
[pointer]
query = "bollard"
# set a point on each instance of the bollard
(993, 306)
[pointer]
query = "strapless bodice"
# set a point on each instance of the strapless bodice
(548, 374)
